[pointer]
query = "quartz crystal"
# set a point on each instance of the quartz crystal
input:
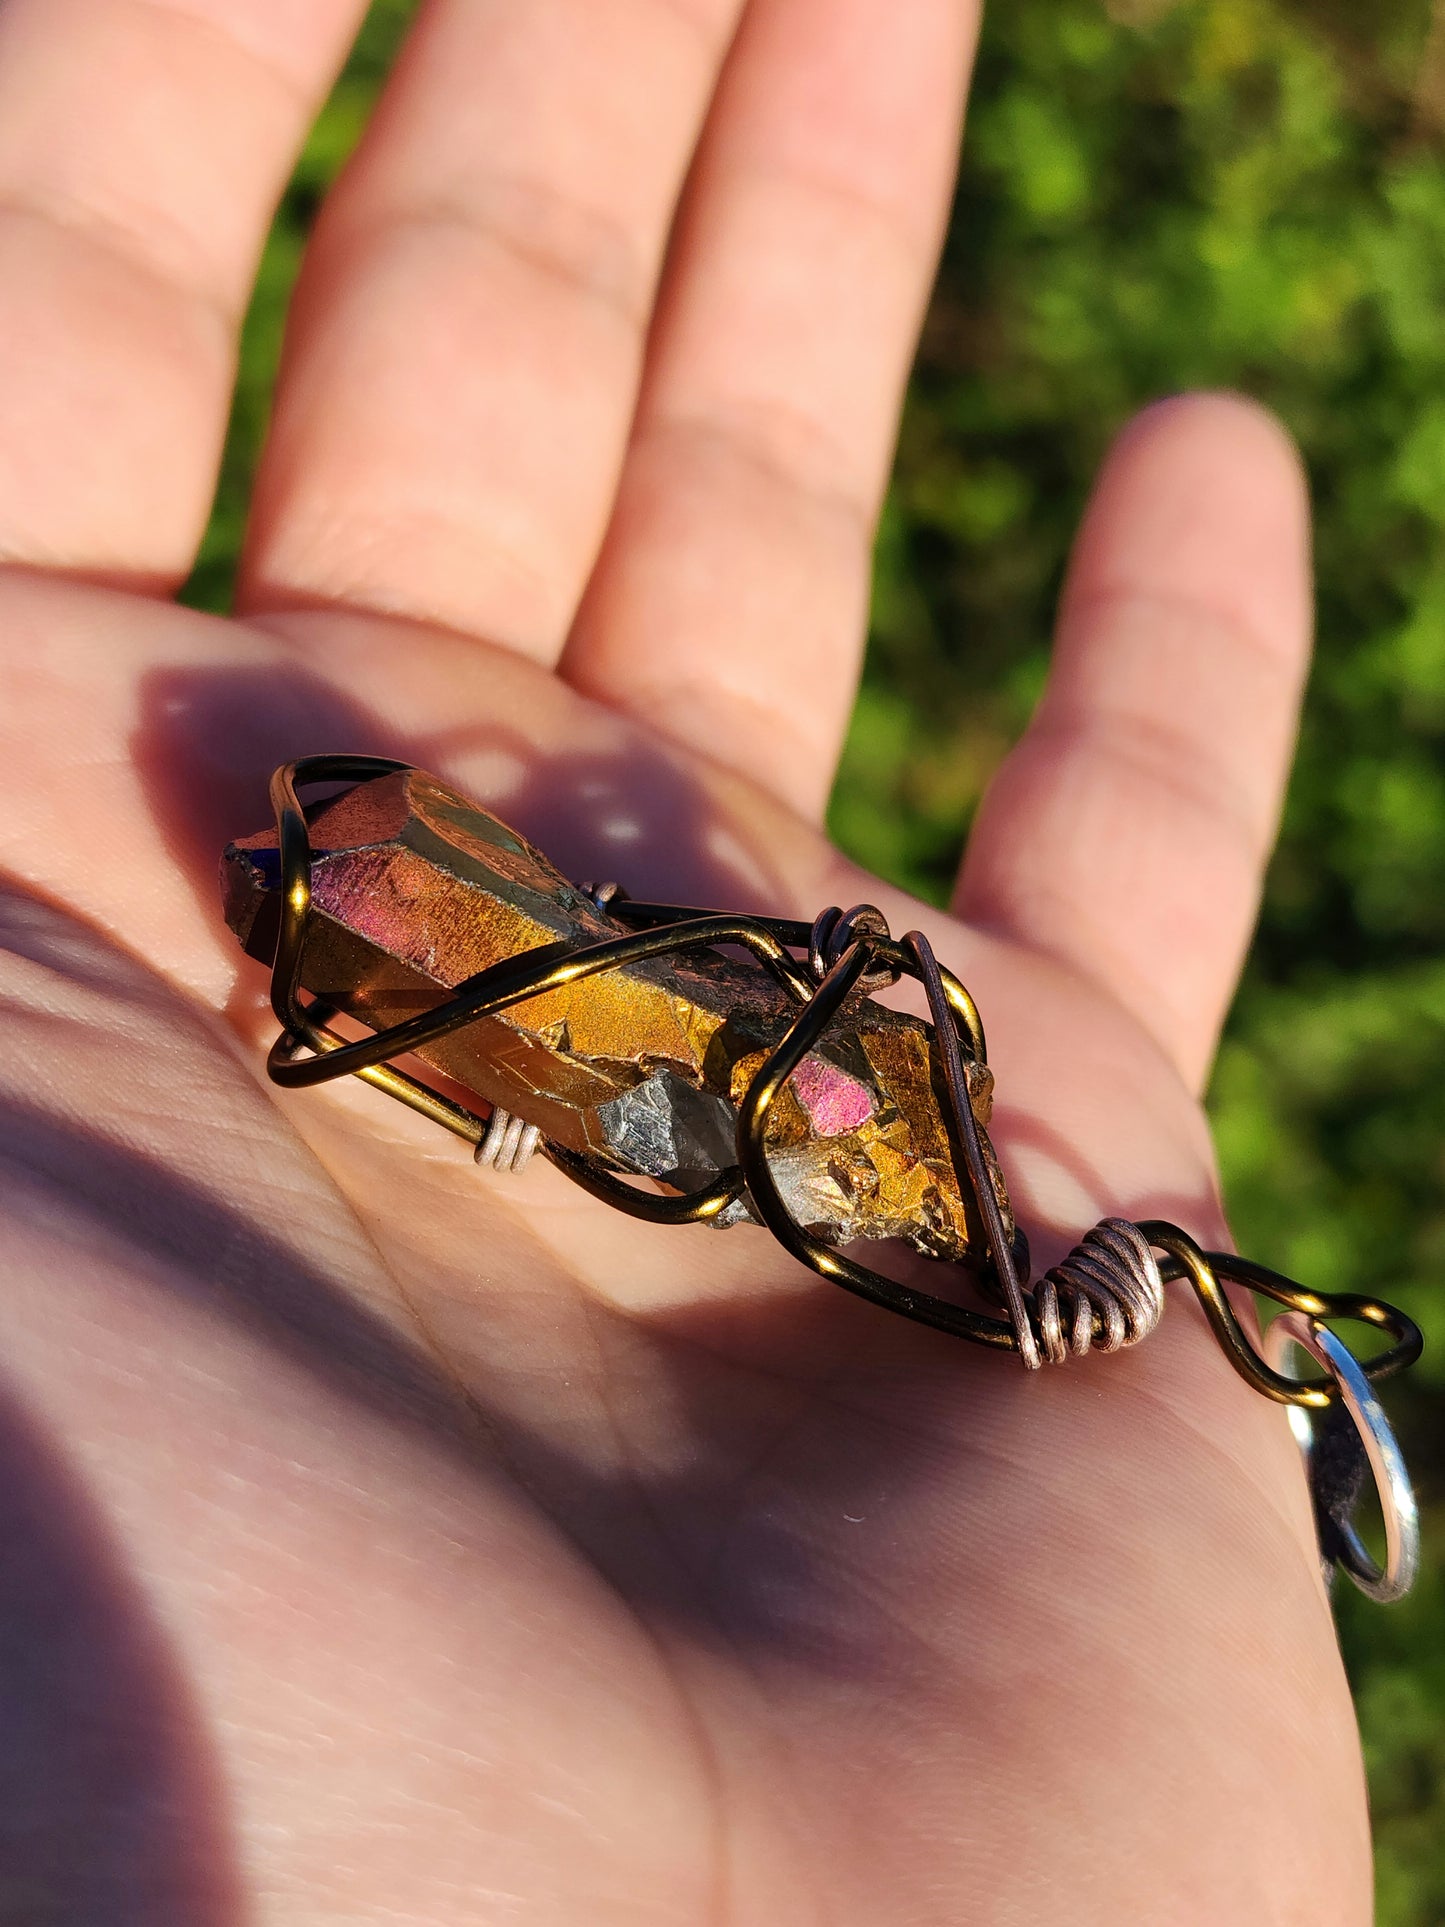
(415, 889)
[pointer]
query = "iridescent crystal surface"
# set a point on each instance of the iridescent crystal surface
(415, 889)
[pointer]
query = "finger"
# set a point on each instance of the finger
(1128, 831)
(143, 144)
(463, 359)
(730, 602)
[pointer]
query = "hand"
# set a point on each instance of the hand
(387, 1543)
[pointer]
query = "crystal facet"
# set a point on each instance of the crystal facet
(415, 890)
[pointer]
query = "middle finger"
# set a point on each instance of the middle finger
(464, 351)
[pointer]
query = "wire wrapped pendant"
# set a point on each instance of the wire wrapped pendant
(740, 1064)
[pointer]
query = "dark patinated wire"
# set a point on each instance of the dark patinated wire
(826, 1259)
(1206, 1269)
(970, 1144)
(848, 952)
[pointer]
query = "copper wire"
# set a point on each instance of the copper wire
(1109, 1292)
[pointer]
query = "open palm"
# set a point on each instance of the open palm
(387, 1543)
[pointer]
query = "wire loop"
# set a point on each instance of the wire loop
(834, 929)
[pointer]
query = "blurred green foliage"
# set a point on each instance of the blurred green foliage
(1158, 194)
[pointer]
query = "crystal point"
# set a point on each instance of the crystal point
(415, 889)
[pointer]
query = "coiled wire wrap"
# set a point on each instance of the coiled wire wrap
(508, 1144)
(1109, 1291)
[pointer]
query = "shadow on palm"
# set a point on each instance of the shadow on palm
(113, 1801)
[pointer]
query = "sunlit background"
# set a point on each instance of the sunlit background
(1157, 194)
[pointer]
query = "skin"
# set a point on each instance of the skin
(387, 1543)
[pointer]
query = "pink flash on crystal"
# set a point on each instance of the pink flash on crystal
(834, 1101)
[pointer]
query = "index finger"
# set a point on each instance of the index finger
(143, 146)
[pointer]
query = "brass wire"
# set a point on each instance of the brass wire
(862, 952)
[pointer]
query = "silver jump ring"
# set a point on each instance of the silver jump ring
(1381, 1449)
